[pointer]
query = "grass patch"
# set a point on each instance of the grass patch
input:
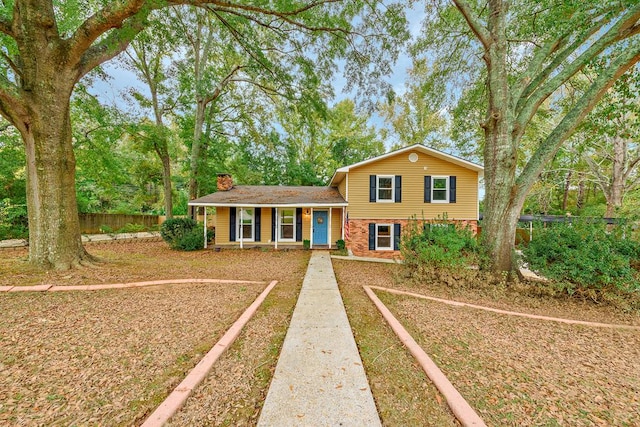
(403, 393)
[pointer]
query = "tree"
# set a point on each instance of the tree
(612, 147)
(147, 56)
(417, 115)
(48, 48)
(530, 50)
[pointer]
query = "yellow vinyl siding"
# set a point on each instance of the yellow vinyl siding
(466, 206)
(342, 188)
(222, 226)
(336, 221)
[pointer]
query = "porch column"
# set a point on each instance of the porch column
(205, 227)
(344, 223)
(241, 227)
(311, 230)
(277, 229)
(330, 227)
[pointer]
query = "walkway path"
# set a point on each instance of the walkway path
(319, 379)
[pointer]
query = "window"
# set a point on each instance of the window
(385, 188)
(384, 236)
(287, 224)
(440, 189)
(244, 219)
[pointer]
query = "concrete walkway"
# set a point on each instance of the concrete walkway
(319, 379)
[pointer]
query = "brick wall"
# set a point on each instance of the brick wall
(359, 236)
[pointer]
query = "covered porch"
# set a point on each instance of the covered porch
(276, 216)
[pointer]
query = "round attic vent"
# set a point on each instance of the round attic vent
(413, 157)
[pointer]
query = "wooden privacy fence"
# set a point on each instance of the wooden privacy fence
(90, 223)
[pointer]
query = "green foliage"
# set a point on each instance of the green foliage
(192, 240)
(340, 245)
(437, 244)
(13, 221)
(184, 234)
(174, 229)
(132, 228)
(306, 244)
(584, 257)
(106, 229)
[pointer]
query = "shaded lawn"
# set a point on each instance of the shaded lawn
(111, 356)
(513, 371)
(517, 371)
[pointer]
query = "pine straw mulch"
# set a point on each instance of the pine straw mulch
(110, 357)
(517, 371)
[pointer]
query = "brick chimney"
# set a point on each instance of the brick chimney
(225, 182)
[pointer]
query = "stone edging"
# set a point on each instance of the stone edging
(510, 313)
(59, 288)
(179, 395)
(459, 406)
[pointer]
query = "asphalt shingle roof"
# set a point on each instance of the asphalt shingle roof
(272, 195)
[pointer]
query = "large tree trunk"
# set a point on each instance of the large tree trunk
(54, 229)
(501, 209)
(166, 184)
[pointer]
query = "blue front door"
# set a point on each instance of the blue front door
(320, 228)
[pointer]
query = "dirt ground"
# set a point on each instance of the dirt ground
(517, 371)
(110, 357)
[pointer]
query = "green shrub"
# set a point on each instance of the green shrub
(193, 240)
(174, 229)
(106, 229)
(585, 257)
(13, 220)
(306, 244)
(340, 245)
(437, 244)
(132, 228)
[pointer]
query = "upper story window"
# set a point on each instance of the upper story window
(440, 189)
(385, 188)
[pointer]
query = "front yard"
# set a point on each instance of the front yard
(110, 357)
(513, 371)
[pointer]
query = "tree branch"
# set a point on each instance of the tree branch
(529, 106)
(6, 28)
(110, 17)
(474, 23)
(116, 42)
(570, 121)
(223, 83)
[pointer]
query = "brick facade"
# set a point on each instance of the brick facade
(358, 241)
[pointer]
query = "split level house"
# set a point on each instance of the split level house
(366, 204)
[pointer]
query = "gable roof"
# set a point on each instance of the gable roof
(341, 172)
(272, 196)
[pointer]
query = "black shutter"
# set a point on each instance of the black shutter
(452, 189)
(257, 212)
(427, 189)
(396, 237)
(232, 224)
(372, 188)
(398, 195)
(372, 236)
(298, 224)
(273, 224)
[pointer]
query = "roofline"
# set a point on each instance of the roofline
(272, 205)
(432, 151)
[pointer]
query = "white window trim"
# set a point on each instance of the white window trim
(253, 225)
(393, 189)
(433, 188)
(391, 241)
(280, 238)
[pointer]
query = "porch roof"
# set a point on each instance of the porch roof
(273, 196)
